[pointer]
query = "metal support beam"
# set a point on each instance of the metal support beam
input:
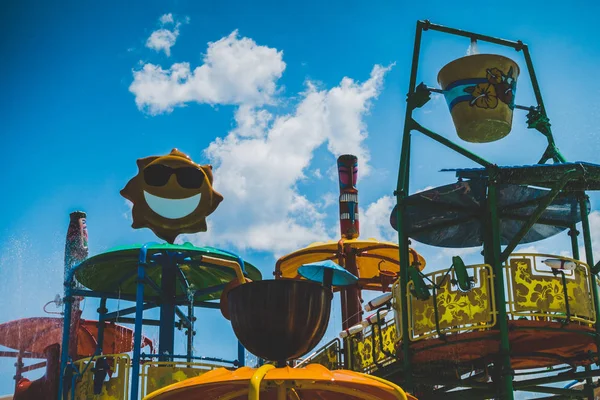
(64, 349)
(440, 139)
(148, 322)
(549, 198)
(401, 193)
(168, 286)
(493, 227)
(589, 257)
(126, 311)
(101, 318)
(108, 295)
(241, 355)
(139, 314)
(190, 332)
(471, 35)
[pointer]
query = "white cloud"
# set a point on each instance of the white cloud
(235, 71)
(166, 19)
(163, 39)
(375, 221)
(328, 199)
(258, 165)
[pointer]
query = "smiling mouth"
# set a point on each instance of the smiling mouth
(172, 208)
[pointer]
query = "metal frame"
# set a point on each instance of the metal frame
(166, 300)
(493, 255)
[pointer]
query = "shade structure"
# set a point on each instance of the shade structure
(586, 177)
(115, 271)
(316, 271)
(375, 259)
(313, 382)
(453, 215)
(33, 335)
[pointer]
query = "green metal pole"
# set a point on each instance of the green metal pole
(472, 35)
(573, 233)
(440, 139)
(589, 256)
(493, 227)
(540, 101)
(542, 206)
(401, 193)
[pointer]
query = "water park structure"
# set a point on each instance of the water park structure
(478, 331)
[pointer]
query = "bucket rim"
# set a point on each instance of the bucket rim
(477, 56)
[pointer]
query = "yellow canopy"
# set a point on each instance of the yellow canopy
(374, 259)
(313, 382)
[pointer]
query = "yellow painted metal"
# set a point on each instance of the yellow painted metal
(333, 388)
(399, 392)
(480, 91)
(366, 354)
(535, 292)
(257, 377)
(327, 356)
(457, 311)
(374, 258)
(229, 264)
(247, 382)
(158, 374)
(116, 388)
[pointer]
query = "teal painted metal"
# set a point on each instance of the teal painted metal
(440, 139)
(401, 193)
(101, 318)
(139, 314)
(537, 214)
(493, 259)
(64, 355)
(589, 256)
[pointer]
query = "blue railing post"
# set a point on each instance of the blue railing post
(64, 356)
(241, 355)
(101, 313)
(139, 314)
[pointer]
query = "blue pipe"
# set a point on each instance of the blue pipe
(571, 384)
(64, 356)
(139, 314)
(241, 355)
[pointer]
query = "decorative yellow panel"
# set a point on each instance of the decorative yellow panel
(328, 356)
(540, 293)
(457, 311)
(366, 349)
(160, 374)
(115, 388)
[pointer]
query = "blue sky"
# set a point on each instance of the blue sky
(272, 111)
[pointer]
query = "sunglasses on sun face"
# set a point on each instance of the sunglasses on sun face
(187, 177)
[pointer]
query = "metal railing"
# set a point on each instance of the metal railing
(329, 356)
(158, 374)
(117, 387)
(537, 292)
(450, 310)
(376, 348)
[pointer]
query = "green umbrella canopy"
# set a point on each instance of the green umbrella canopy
(115, 271)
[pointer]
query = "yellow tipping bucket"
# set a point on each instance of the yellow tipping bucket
(480, 92)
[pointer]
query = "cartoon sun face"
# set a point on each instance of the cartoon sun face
(171, 195)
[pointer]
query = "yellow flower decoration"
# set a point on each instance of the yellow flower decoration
(484, 96)
(494, 75)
